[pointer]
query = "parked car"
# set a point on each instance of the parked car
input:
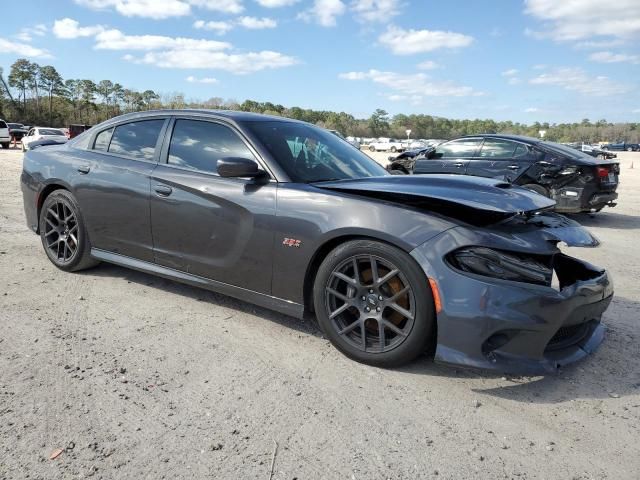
(285, 215)
(17, 131)
(41, 133)
(5, 137)
(387, 145)
(595, 151)
(621, 146)
(575, 180)
(76, 129)
(351, 141)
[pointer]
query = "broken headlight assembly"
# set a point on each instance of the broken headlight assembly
(498, 264)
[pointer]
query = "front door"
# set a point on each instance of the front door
(206, 225)
(449, 157)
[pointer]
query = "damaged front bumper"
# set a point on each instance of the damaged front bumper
(510, 326)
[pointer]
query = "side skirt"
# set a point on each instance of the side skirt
(267, 301)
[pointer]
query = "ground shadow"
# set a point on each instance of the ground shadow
(608, 219)
(613, 370)
(306, 325)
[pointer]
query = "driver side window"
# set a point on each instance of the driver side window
(463, 148)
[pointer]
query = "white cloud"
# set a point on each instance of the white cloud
(610, 57)
(7, 46)
(254, 23)
(415, 85)
(576, 79)
(324, 12)
(224, 6)
(408, 42)
(428, 65)
(219, 27)
(531, 110)
(375, 10)
(514, 81)
(510, 73)
(276, 3)
(161, 9)
(207, 80)
(69, 28)
(637, 110)
(26, 34)
(586, 44)
(116, 40)
(579, 19)
(238, 63)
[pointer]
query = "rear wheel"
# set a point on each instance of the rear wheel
(537, 188)
(63, 233)
(372, 148)
(373, 303)
(5, 145)
(393, 149)
(629, 149)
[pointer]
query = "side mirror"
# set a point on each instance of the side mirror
(238, 167)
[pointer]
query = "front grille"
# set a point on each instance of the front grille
(567, 336)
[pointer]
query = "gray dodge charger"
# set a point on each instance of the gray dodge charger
(288, 216)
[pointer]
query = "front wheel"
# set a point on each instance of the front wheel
(394, 149)
(629, 149)
(63, 233)
(372, 148)
(372, 302)
(6, 145)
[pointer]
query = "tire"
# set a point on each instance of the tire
(61, 224)
(537, 188)
(393, 149)
(5, 145)
(372, 148)
(407, 331)
(629, 149)
(605, 148)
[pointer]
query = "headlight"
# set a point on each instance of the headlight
(497, 264)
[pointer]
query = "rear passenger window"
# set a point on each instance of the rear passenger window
(2, 124)
(497, 149)
(136, 139)
(102, 140)
(198, 145)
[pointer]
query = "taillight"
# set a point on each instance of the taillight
(602, 172)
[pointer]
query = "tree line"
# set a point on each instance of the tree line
(38, 95)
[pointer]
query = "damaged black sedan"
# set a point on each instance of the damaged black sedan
(574, 179)
(288, 216)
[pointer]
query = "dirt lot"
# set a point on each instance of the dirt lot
(138, 377)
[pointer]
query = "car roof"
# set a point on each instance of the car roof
(234, 115)
(517, 138)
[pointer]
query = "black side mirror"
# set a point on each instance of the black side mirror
(239, 167)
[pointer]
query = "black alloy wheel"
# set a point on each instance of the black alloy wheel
(63, 233)
(373, 303)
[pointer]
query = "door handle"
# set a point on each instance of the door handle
(458, 164)
(513, 167)
(163, 190)
(84, 169)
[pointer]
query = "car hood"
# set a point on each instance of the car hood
(476, 193)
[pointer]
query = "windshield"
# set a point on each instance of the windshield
(311, 154)
(15, 125)
(51, 131)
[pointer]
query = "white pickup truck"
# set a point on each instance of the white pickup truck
(387, 145)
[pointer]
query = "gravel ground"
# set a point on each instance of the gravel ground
(133, 376)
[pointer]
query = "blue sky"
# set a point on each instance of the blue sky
(527, 61)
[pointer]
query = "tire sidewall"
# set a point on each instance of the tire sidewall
(83, 240)
(423, 328)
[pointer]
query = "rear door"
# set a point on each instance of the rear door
(113, 186)
(203, 224)
(449, 157)
(500, 158)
